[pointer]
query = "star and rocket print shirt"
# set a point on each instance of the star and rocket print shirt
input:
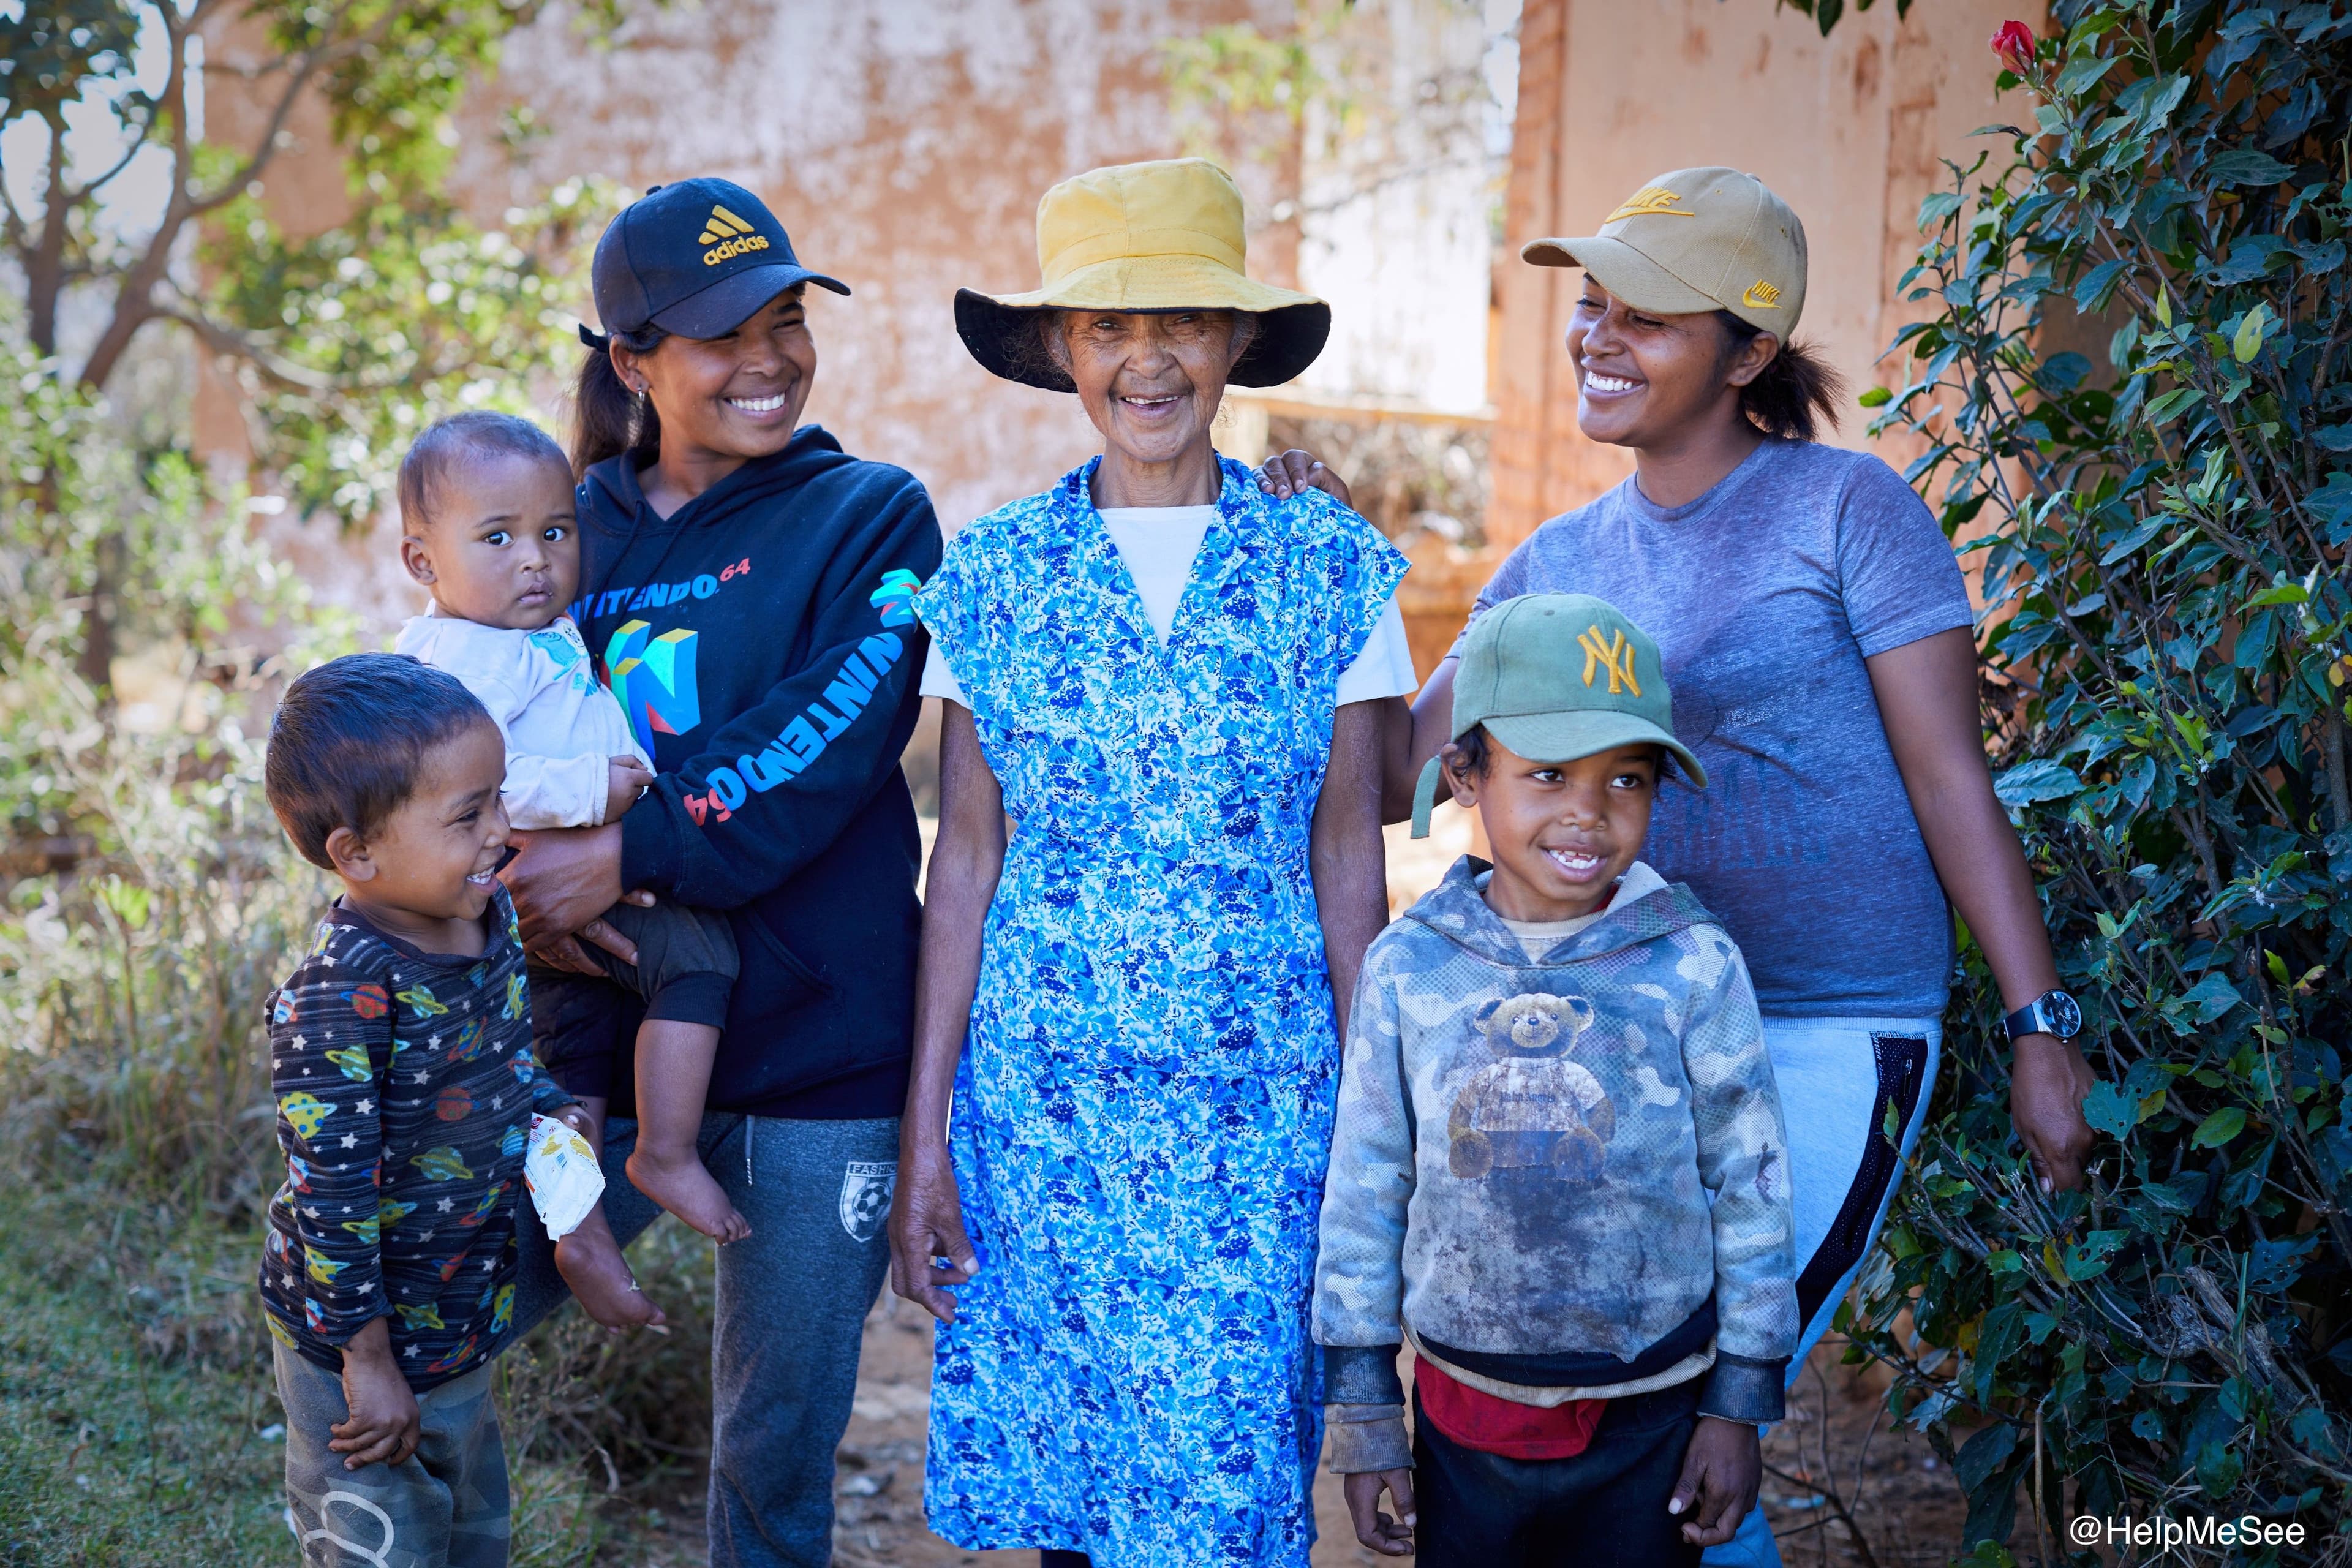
(406, 1085)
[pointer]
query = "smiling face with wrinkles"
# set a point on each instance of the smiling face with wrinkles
(1150, 381)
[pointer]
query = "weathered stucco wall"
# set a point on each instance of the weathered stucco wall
(1849, 129)
(904, 144)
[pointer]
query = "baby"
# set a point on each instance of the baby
(486, 513)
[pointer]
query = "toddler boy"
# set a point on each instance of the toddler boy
(1558, 1167)
(400, 1058)
(485, 508)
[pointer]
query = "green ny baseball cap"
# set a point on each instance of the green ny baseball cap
(1556, 677)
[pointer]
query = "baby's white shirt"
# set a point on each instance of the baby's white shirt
(561, 728)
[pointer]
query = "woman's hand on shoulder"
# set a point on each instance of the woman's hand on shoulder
(1295, 472)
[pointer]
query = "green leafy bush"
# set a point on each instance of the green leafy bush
(2162, 543)
(150, 899)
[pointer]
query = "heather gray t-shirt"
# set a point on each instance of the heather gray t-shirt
(1765, 595)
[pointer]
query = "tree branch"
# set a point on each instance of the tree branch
(307, 66)
(228, 341)
(134, 303)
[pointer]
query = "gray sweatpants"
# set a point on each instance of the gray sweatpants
(443, 1505)
(788, 1322)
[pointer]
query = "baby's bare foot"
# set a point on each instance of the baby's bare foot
(681, 1185)
(590, 1262)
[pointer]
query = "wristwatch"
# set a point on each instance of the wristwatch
(2052, 1013)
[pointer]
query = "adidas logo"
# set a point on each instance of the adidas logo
(725, 236)
(1651, 200)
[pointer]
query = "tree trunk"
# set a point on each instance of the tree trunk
(45, 269)
(96, 663)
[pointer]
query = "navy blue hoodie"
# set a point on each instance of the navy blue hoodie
(759, 640)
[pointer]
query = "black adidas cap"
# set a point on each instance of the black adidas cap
(695, 259)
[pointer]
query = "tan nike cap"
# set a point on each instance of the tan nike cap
(1697, 239)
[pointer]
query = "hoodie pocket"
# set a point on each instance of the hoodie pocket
(774, 982)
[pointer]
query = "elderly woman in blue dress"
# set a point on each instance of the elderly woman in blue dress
(1169, 687)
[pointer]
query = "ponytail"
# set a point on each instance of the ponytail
(608, 419)
(1794, 395)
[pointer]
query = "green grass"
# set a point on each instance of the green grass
(136, 1406)
(133, 1389)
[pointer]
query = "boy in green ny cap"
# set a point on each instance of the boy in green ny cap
(1559, 1169)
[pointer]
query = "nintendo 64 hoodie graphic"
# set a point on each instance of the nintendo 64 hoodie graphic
(1568, 1172)
(759, 640)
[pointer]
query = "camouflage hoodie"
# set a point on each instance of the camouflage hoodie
(1562, 1178)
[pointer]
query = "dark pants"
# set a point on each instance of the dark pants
(1606, 1508)
(787, 1324)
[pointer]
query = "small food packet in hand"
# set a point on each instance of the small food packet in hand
(561, 1172)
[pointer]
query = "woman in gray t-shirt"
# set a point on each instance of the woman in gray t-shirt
(1818, 635)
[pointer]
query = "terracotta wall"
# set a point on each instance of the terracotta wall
(904, 144)
(1849, 129)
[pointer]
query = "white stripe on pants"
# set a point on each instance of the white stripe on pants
(1838, 1078)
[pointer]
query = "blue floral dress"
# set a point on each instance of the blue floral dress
(1143, 1111)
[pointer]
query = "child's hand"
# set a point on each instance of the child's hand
(1389, 1537)
(1721, 1470)
(383, 1426)
(625, 778)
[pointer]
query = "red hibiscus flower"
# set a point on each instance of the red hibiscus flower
(2014, 44)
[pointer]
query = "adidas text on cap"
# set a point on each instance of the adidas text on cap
(695, 259)
(1696, 240)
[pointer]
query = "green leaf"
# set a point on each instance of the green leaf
(2038, 780)
(2090, 293)
(2331, 503)
(1876, 397)
(2249, 339)
(2161, 410)
(2284, 593)
(2246, 167)
(1938, 206)
(2219, 1128)
(2082, 73)
(2211, 997)
(2110, 1111)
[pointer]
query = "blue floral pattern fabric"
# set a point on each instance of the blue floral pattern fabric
(1143, 1111)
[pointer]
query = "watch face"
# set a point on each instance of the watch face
(2066, 1018)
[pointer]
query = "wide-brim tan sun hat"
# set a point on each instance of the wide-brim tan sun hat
(1696, 240)
(1159, 237)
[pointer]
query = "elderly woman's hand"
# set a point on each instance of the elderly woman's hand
(926, 1224)
(1292, 473)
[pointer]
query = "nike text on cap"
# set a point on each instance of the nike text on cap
(1696, 240)
(695, 259)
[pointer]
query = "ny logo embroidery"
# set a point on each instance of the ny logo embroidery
(1615, 655)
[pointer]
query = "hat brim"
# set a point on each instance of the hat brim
(735, 298)
(1625, 272)
(1565, 737)
(1000, 330)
